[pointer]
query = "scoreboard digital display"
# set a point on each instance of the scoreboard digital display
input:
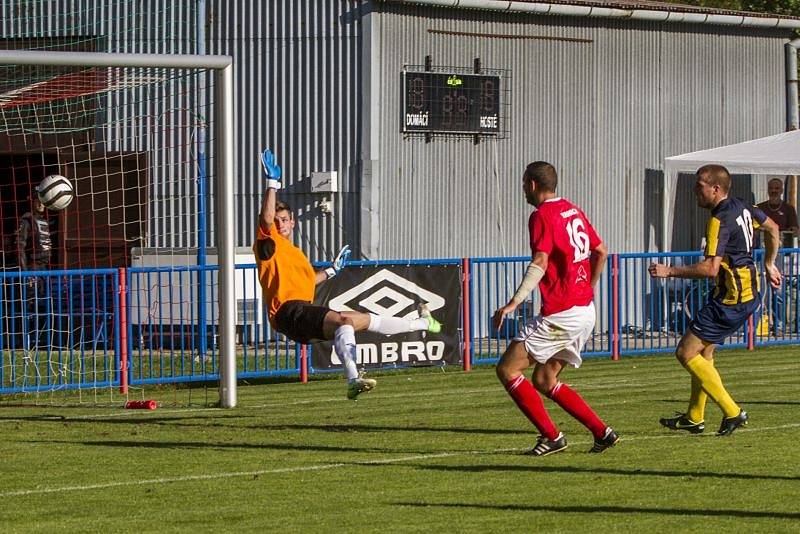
(435, 102)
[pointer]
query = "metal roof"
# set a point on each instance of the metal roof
(647, 9)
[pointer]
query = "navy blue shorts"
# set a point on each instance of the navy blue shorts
(716, 321)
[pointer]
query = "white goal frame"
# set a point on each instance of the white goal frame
(222, 66)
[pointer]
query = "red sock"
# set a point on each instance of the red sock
(530, 403)
(574, 405)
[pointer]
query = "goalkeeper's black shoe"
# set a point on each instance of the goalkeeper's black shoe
(729, 424)
(609, 439)
(683, 423)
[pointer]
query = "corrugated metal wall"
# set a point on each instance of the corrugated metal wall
(604, 112)
(298, 81)
(605, 108)
(126, 25)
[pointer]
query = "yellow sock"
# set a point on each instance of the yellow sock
(710, 381)
(697, 401)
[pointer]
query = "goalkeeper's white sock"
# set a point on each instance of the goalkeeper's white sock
(344, 342)
(389, 326)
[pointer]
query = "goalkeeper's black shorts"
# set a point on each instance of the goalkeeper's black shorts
(301, 321)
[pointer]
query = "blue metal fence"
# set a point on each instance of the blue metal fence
(654, 313)
(62, 329)
(493, 281)
(778, 323)
(59, 330)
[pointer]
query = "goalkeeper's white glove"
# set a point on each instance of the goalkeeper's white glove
(271, 169)
(339, 263)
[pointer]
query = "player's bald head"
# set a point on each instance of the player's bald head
(543, 175)
(715, 175)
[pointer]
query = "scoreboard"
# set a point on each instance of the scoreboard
(435, 102)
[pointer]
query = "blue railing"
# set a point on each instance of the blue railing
(492, 282)
(68, 329)
(654, 313)
(59, 330)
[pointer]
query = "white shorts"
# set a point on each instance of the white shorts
(563, 334)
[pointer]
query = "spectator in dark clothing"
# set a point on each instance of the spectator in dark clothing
(777, 209)
(785, 216)
(34, 245)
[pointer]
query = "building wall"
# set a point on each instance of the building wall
(297, 69)
(603, 100)
(297, 80)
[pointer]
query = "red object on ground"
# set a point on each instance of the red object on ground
(141, 405)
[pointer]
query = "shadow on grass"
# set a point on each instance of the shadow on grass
(322, 427)
(769, 403)
(595, 470)
(671, 512)
(128, 420)
(207, 421)
(178, 445)
(343, 427)
(743, 402)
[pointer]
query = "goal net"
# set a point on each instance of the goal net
(122, 287)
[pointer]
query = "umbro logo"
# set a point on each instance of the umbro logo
(388, 294)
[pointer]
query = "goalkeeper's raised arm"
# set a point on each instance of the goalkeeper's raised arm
(273, 173)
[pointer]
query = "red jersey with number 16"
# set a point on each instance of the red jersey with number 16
(560, 229)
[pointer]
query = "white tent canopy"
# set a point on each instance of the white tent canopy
(776, 154)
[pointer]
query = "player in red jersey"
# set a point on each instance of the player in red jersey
(568, 258)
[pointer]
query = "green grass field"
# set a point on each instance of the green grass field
(427, 451)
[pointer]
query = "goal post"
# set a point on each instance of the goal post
(109, 72)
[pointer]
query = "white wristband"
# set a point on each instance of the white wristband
(331, 272)
(273, 184)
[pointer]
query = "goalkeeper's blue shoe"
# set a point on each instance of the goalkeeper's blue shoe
(434, 326)
(357, 386)
(729, 424)
(609, 439)
(682, 422)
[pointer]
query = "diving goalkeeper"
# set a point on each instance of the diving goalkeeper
(288, 283)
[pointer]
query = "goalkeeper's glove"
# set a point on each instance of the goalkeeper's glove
(271, 169)
(339, 263)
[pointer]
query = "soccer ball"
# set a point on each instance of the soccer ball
(55, 192)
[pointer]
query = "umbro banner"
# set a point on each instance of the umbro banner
(396, 290)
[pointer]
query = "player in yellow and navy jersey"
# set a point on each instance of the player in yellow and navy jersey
(728, 259)
(729, 235)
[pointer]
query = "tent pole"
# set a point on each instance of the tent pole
(664, 211)
(791, 48)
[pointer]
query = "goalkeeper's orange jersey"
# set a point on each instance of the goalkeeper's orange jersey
(286, 276)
